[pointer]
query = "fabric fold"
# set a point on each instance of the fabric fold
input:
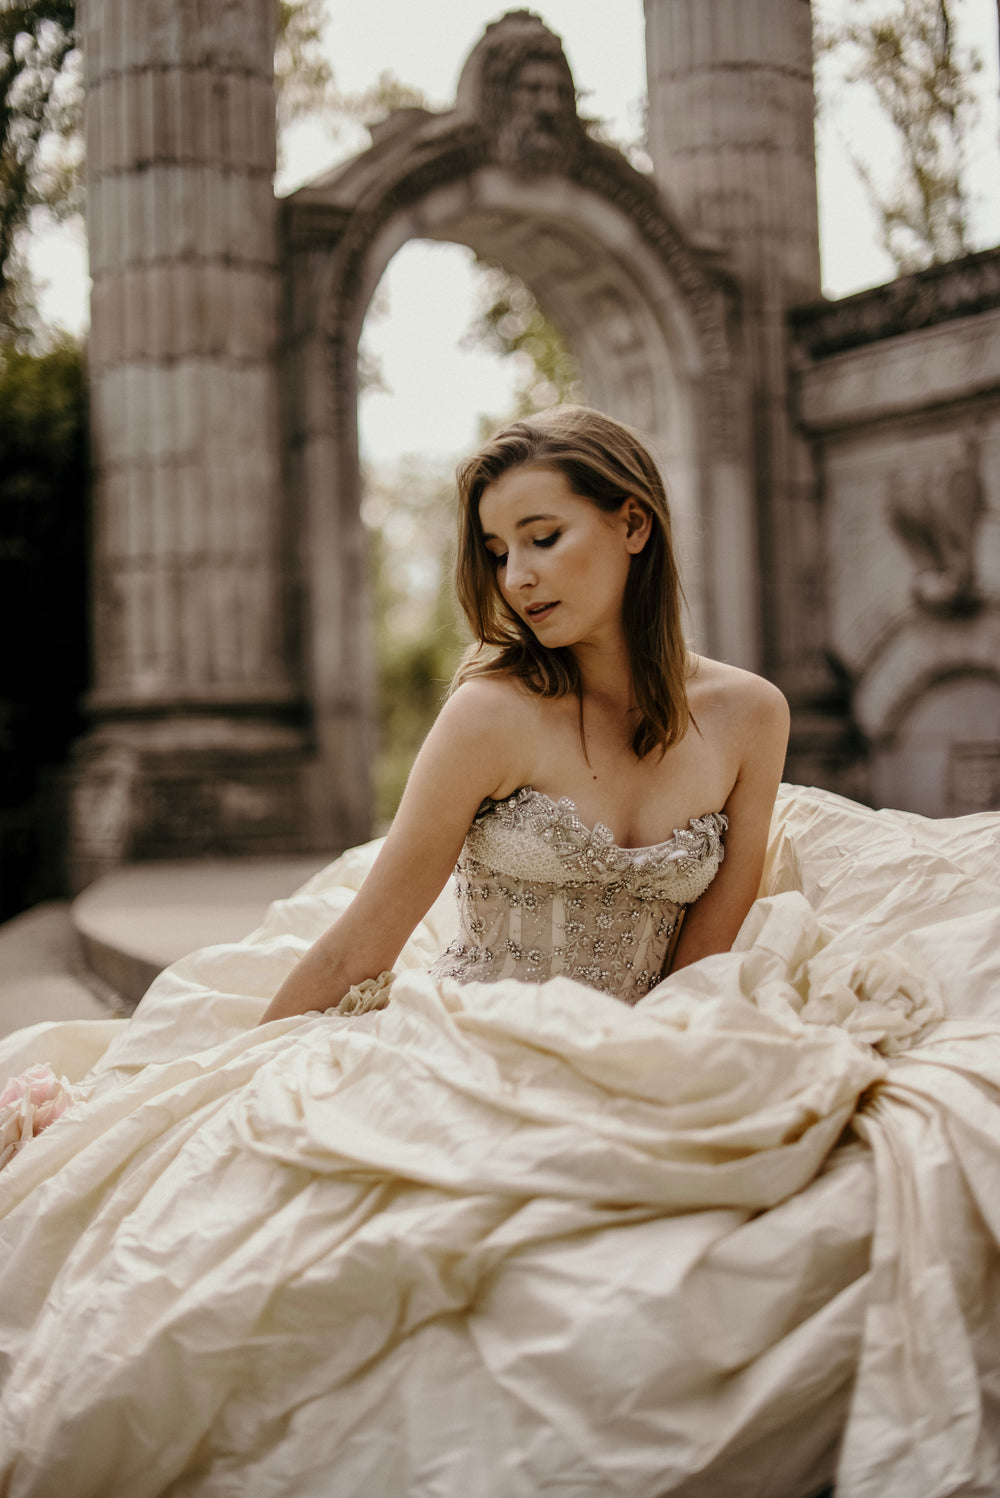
(518, 1238)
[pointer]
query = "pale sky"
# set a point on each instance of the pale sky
(437, 389)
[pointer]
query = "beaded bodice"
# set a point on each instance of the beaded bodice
(541, 894)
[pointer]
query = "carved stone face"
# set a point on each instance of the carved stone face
(539, 94)
(538, 126)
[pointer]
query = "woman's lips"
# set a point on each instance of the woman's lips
(539, 611)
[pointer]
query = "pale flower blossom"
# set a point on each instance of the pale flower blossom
(875, 996)
(28, 1104)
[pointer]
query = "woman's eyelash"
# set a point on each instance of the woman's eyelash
(501, 560)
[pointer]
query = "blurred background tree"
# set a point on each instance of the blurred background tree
(905, 53)
(43, 666)
(511, 324)
(41, 126)
(409, 512)
(41, 100)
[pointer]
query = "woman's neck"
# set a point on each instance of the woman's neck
(606, 677)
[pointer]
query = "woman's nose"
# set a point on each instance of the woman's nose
(519, 571)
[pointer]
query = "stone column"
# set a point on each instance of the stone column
(193, 745)
(731, 138)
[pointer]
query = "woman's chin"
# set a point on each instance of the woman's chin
(554, 639)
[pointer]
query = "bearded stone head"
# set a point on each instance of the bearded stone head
(518, 84)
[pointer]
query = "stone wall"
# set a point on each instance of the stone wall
(837, 505)
(899, 389)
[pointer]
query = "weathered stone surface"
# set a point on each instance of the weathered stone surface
(908, 372)
(189, 580)
(731, 132)
(731, 138)
(227, 531)
(907, 430)
(927, 298)
(944, 754)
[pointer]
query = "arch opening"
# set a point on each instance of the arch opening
(651, 321)
(418, 415)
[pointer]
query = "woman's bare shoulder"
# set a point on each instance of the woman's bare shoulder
(496, 719)
(490, 701)
(719, 688)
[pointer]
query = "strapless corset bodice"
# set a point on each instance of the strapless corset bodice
(541, 894)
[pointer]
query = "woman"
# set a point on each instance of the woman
(582, 690)
(513, 1236)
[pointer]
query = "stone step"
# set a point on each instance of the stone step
(43, 975)
(136, 920)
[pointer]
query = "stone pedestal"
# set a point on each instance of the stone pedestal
(731, 138)
(194, 743)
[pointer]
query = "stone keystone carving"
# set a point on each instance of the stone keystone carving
(935, 513)
(518, 85)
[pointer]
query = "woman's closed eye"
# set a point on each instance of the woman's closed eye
(500, 558)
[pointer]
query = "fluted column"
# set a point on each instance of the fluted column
(732, 142)
(191, 653)
(731, 133)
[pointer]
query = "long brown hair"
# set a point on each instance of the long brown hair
(605, 462)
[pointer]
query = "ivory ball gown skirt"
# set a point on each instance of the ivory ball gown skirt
(509, 1239)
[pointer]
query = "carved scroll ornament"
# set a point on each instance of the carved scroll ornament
(935, 514)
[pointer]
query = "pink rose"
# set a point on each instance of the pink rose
(28, 1104)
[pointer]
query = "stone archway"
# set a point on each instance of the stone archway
(928, 703)
(511, 173)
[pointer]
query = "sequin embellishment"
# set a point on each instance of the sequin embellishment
(540, 894)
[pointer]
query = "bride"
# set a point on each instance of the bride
(580, 695)
(307, 1227)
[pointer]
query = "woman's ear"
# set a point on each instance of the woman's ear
(638, 524)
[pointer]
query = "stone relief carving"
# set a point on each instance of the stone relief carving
(935, 295)
(973, 778)
(935, 513)
(518, 84)
(455, 148)
(515, 106)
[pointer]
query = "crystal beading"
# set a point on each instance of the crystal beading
(541, 894)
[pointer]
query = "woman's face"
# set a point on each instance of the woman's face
(561, 563)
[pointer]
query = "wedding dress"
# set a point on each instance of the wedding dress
(517, 1237)
(540, 895)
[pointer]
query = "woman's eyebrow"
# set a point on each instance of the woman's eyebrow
(527, 520)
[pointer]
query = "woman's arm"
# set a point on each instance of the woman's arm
(712, 922)
(468, 754)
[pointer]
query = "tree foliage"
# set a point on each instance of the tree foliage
(303, 77)
(304, 80)
(408, 512)
(41, 123)
(43, 671)
(906, 53)
(43, 485)
(511, 323)
(40, 113)
(378, 101)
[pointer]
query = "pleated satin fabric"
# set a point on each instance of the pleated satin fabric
(515, 1239)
